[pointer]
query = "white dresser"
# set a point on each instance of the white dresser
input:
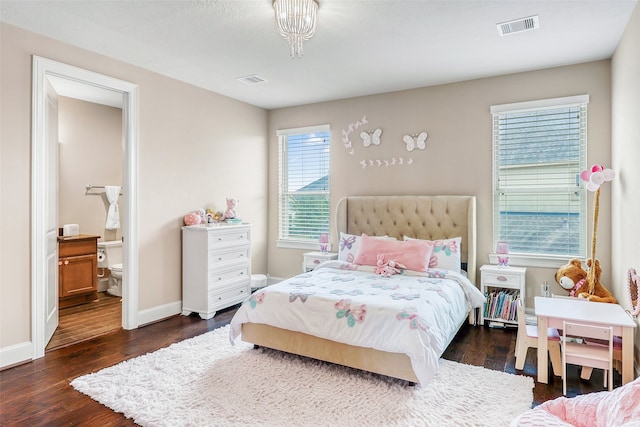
(216, 268)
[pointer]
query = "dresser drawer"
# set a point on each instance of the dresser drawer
(502, 279)
(228, 295)
(220, 277)
(229, 255)
(230, 237)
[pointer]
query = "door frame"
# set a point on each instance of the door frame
(42, 68)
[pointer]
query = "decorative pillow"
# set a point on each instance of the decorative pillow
(414, 254)
(445, 254)
(349, 245)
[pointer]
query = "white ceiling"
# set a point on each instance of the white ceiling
(360, 47)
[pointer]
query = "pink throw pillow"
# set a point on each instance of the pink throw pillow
(414, 254)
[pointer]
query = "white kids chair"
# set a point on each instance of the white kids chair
(579, 353)
(528, 338)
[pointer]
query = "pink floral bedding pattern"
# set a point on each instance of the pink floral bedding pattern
(413, 313)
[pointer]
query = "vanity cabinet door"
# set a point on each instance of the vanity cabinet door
(77, 275)
(77, 270)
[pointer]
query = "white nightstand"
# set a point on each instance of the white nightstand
(502, 286)
(312, 259)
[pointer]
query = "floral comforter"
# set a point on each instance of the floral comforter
(413, 313)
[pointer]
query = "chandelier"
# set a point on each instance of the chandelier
(296, 21)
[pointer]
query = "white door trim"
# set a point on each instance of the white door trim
(43, 67)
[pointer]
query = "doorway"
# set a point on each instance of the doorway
(44, 312)
(90, 153)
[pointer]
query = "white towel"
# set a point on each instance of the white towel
(113, 215)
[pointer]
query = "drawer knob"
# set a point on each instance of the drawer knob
(502, 278)
(219, 258)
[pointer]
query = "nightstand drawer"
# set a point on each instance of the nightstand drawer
(503, 280)
(313, 259)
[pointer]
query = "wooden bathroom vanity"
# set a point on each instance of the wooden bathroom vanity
(77, 269)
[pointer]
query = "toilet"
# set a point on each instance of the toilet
(110, 256)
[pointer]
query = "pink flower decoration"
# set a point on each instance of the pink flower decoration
(596, 176)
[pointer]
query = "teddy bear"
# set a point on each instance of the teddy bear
(573, 278)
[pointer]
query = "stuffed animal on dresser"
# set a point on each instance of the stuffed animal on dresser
(573, 278)
(232, 204)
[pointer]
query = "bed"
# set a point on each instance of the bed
(336, 313)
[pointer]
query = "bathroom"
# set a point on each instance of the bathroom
(90, 158)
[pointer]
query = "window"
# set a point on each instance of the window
(304, 210)
(539, 202)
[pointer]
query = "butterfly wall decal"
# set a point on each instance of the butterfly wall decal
(369, 138)
(352, 314)
(418, 141)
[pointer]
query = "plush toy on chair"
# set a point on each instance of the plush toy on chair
(573, 278)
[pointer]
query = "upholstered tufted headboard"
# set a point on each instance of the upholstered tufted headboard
(421, 217)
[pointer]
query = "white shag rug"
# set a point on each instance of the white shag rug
(204, 381)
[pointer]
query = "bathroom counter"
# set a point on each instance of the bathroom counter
(78, 237)
(77, 269)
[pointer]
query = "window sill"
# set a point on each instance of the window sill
(530, 260)
(300, 244)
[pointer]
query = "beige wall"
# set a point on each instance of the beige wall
(625, 148)
(90, 152)
(195, 148)
(458, 157)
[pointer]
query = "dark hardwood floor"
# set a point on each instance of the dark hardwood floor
(38, 393)
(85, 321)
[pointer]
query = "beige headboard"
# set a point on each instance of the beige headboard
(421, 217)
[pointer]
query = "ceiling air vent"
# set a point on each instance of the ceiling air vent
(518, 25)
(252, 79)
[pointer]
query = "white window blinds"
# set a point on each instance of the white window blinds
(304, 210)
(539, 150)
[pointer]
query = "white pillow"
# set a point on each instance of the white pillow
(445, 254)
(349, 245)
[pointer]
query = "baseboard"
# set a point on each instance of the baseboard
(16, 354)
(160, 312)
